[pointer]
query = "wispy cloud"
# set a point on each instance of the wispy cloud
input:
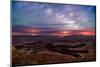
(45, 19)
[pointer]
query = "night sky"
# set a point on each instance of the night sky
(32, 18)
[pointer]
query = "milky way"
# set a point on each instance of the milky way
(35, 18)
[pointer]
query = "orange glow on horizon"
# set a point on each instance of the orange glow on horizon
(64, 32)
(61, 33)
(67, 33)
(32, 30)
(35, 32)
(87, 33)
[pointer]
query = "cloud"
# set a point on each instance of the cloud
(30, 17)
(24, 30)
(49, 11)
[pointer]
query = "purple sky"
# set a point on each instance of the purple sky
(35, 18)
